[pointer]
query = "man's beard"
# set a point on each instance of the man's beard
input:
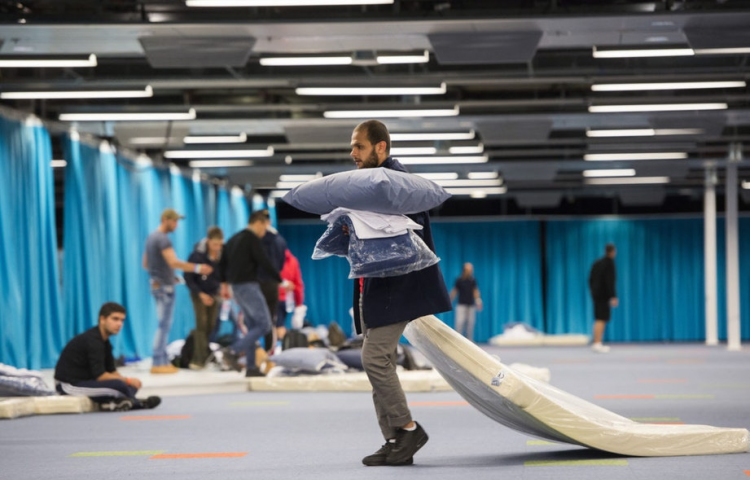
(371, 161)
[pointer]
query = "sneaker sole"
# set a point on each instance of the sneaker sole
(420, 443)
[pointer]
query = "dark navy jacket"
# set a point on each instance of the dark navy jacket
(390, 300)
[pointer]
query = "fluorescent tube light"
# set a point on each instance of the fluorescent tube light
(722, 51)
(33, 62)
(220, 163)
(644, 132)
(407, 137)
(629, 87)
(443, 160)
(746, 184)
(304, 61)
(466, 150)
(626, 181)
(478, 194)
(58, 163)
(668, 107)
(299, 178)
(479, 191)
(639, 53)
(391, 59)
(151, 140)
(441, 112)
(414, 151)
(245, 153)
(125, 116)
(278, 193)
(438, 176)
(482, 175)
(470, 183)
(146, 92)
(615, 172)
(288, 185)
(241, 138)
(372, 91)
(598, 157)
(283, 3)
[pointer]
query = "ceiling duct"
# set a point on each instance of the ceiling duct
(197, 52)
(484, 48)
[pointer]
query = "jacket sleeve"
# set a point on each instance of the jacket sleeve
(611, 280)
(299, 285)
(191, 279)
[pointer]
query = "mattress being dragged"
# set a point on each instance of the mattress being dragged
(536, 408)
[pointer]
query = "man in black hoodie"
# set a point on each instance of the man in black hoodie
(602, 285)
(204, 292)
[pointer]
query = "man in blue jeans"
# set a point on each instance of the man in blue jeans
(242, 258)
(160, 261)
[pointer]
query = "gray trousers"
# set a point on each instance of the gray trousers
(379, 361)
(465, 317)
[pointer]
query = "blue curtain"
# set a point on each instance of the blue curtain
(506, 256)
(660, 277)
(31, 335)
(744, 235)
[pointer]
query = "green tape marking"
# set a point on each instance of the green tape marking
(256, 404)
(575, 463)
(664, 397)
(540, 442)
(655, 419)
(118, 454)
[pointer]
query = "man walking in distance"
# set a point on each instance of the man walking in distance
(87, 368)
(602, 286)
(469, 301)
(382, 309)
(161, 261)
(242, 258)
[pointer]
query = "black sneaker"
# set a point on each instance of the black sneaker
(118, 405)
(229, 359)
(150, 402)
(254, 372)
(378, 458)
(407, 444)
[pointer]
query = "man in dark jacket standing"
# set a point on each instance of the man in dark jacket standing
(602, 286)
(382, 309)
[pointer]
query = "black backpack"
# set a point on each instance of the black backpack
(294, 339)
(186, 354)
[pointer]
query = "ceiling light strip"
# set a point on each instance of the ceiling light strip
(614, 172)
(27, 62)
(413, 151)
(669, 107)
(643, 132)
(444, 112)
(626, 181)
(126, 116)
(599, 157)
(482, 175)
(641, 53)
(395, 59)
(630, 87)
(470, 183)
(283, 3)
(406, 137)
(468, 150)
(196, 139)
(299, 177)
(220, 163)
(443, 160)
(219, 153)
(472, 191)
(438, 175)
(51, 95)
(304, 61)
(340, 91)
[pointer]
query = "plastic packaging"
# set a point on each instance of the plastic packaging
(375, 257)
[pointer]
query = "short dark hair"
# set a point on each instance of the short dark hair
(258, 216)
(215, 233)
(376, 132)
(609, 248)
(111, 307)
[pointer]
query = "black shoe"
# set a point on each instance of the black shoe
(378, 459)
(150, 402)
(118, 405)
(254, 372)
(229, 360)
(407, 444)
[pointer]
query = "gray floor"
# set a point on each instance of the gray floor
(324, 435)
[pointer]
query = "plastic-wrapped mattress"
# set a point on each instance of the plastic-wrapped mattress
(536, 408)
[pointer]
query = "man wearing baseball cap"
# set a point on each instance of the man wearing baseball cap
(160, 261)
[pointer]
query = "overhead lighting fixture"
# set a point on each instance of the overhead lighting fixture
(644, 132)
(47, 95)
(477, 191)
(626, 181)
(220, 163)
(245, 153)
(391, 59)
(304, 61)
(58, 163)
(283, 3)
(126, 116)
(417, 137)
(599, 157)
(470, 183)
(414, 151)
(668, 107)
(25, 61)
(371, 91)
(466, 150)
(278, 193)
(615, 172)
(289, 185)
(746, 184)
(722, 51)
(192, 139)
(600, 52)
(299, 178)
(443, 160)
(439, 112)
(438, 176)
(150, 140)
(482, 175)
(630, 87)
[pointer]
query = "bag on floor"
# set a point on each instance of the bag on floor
(294, 339)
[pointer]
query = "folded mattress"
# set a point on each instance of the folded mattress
(539, 409)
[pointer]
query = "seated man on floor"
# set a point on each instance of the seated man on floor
(87, 368)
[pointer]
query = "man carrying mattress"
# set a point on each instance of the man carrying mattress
(382, 309)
